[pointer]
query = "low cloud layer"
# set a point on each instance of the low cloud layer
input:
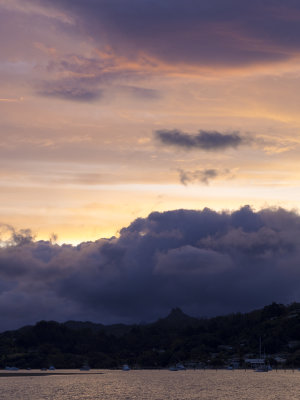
(204, 140)
(206, 262)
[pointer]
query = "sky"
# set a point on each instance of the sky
(112, 111)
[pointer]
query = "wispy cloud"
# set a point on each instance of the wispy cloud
(70, 89)
(74, 77)
(9, 236)
(202, 176)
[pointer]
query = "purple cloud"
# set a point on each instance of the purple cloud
(204, 140)
(222, 33)
(206, 262)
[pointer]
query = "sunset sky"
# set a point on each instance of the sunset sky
(115, 109)
(88, 86)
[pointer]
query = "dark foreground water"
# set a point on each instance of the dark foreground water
(154, 385)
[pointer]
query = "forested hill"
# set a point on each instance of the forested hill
(178, 337)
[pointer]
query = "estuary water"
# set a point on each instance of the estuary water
(150, 385)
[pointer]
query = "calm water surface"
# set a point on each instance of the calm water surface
(152, 385)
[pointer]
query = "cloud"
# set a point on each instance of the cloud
(206, 262)
(219, 33)
(90, 90)
(203, 176)
(71, 89)
(191, 260)
(9, 236)
(204, 140)
(79, 78)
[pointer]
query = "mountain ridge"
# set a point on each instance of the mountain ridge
(177, 337)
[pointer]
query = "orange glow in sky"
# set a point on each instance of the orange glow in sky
(84, 97)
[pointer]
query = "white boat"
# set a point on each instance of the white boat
(126, 367)
(263, 368)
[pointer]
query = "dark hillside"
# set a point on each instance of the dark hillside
(178, 337)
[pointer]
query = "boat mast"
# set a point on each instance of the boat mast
(260, 347)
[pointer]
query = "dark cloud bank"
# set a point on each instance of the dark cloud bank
(206, 262)
(216, 32)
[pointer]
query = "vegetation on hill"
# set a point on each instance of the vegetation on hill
(177, 338)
